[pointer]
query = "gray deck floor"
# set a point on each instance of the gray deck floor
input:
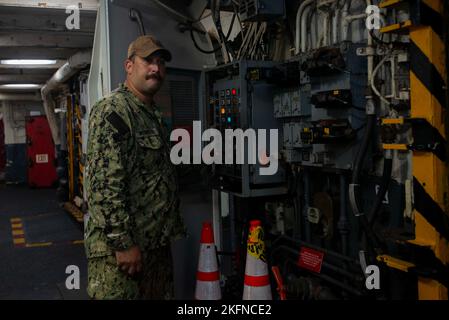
(37, 271)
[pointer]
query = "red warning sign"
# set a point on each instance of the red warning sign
(310, 259)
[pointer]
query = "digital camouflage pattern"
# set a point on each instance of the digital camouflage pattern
(106, 281)
(132, 189)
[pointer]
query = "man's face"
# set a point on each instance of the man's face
(146, 75)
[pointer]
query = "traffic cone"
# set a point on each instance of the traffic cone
(207, 276)
(257, 282)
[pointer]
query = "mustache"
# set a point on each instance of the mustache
(153, 76)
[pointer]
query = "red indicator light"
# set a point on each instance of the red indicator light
(234, 92)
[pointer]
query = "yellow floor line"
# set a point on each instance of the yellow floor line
(19, 241)
(17, 225)
(18, 236)
(17, 232)
(38, 244)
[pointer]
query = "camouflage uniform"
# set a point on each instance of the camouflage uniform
(133, 198)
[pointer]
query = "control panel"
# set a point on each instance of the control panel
(241, 102)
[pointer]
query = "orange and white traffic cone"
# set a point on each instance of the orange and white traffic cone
(207, 276)
(257, 282)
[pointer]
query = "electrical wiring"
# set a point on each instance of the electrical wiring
(246, 40)
(216, 17)
(195, 43)
(234, 7)
(202, 18)
(257, 39)
(373, 85)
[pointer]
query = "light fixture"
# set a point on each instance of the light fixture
(20, 86)
(27, 61)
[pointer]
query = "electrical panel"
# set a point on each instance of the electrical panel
(241, 97)
(323, 113)
(356, 113)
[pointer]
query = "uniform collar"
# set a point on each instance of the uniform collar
(125, 89)
(142, 106)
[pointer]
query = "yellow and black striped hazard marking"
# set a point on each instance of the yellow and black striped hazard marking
(428, 75)
(428, 101)
(19, 240)
(18, 235)
(74, 211)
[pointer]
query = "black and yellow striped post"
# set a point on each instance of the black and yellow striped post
(70, 147)
(428, 101)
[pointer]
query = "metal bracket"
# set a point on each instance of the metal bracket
(426, 138)
(135, 16)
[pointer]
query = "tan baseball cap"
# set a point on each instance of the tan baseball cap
(144, 46)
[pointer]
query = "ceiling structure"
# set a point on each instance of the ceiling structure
(37, 30)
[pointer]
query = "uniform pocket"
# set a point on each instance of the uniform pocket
(150, 153)
(152, 141)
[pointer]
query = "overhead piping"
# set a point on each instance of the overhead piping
(20, 97)
(78, 61)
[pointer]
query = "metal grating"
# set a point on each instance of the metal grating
(184, 102)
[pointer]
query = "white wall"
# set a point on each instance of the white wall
(14, 119)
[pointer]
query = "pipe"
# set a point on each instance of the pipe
(348, 19)
(304, 28)
(370, 57)
(372, 81)
(354, 191)
(327, 20)
(233, 223)
(216, 219)
(135, 16)
(344, 14)
(325, 3)
(386, 177)
(347, 22)
(335, 21)
(371, 119)
(307, 201)
(298, 23)
(20, 97)
(174, 12)
(78, 61)
(313, 31)
(343, 220)
(325, 29)
(297, 203)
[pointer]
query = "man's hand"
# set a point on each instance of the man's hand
(130, 260)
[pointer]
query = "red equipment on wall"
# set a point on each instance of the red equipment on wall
(40, 153)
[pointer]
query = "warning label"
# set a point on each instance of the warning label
(310, 259)
(41, 158)
(256, 244)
